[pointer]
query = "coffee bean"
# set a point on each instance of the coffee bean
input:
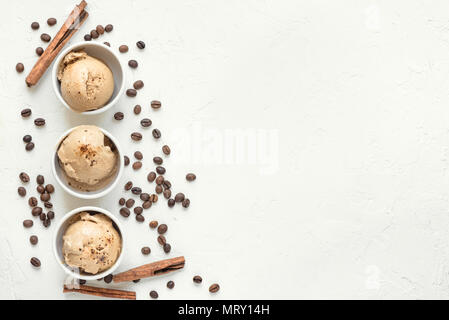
(147, 204)
(153, 224)
(131, 93)
(179, 197)
(154, 198)
(126, 160)
(166, 184)
(36, 211)
(87, 37)
(138, 155)
(167, 194)
(138, 210)
(29, 146)
(190, 177)
(20, 67)
(49, 188)
(136, 190)
(45, 37)
(124, 212)
(34, 240)
(123, 48)
(186, 203)
(171, 203)
(35, 25)
(35, 262)
(138, 84)
(146, 122)
(197, 279)
(51, 21)
(161, 239)
(133, 64)
(144, 196)
(130, 203)
(32, 201)
(94, 34)
(155, 104)
(140, 44)
(108, 278)
(43, 216)
(137, 109)
(156, 133)
(119, 116)
(162, 228)
(107, 43)
(47, 223)
(45, 197)
(137, 165)
(140, 218)
(159, 180)
(28, 223)
(39, 51)
(170, 284)
(40, 189)
(27, 138)
(24, 177)
(167, 248)
(100, 29)
(48, 205)
(121, 201)
(25, 113)
(214, 288)
(160, 170)
(22, 191)
(154, 294)
(158, 189)
(136, 136)
(39, 122)
(158, 160)
(145, 250)
(166, 150)
(50, 215)
(108, 28)
(151, 176)
(128, 185)
(136, 280)
(40, 179)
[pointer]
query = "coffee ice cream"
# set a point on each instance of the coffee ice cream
(88, 158)
(91, 243)
(86, 82)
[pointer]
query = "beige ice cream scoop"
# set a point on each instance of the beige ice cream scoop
(88, 158)
(86, 82)
(91, 243)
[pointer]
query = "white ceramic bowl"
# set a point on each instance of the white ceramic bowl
(105, 54)
(57, 244)
(61, 178)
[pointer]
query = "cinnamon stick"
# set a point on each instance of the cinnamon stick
(151, 269)
(68, 29)
(102, 292)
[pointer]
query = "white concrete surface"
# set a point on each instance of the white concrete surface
(345, 104)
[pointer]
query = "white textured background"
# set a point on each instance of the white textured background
(357, 92)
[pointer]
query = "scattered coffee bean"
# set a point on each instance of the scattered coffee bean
(158, 189)
(146, 250)
(158, 160)
(145, 122)
(28, 223)
(35, 25)
(161, 240)
(45, 37)
(156, 133)
(154, 198)
(140, 44)
(138, 84)
(147, 204)
(167, 194)
(40, 179)
(39, 122)
(131, 93)
(48, 205)
(197, 279)
(107, 43)
(32, 201)
(108, 28)
(36, 211)
(50, 215)
(144, 196)
(94, 34)
(27, 138)
(136, 190)
(162, 228)
(214, 288)
(47, 223)
(34, 240)
(136, 136)
(138, 210)
(87, 37)
(130, 203)
(186, 203)
(138, 155)
(119, 116)
(167, 248)
(166, 184)
(151, 176)
(166, 150)
(126, 160)
(179, 197)
(124, 212)
(29, 146)
(51, 21)
(154, 294)
(140, 218)
(100, 29)
(153, 224)
(123, 48)
(24, 177)
(25, 113)
(39, 51)
(108, 278)
(190, 177)
(128, 185)
(133, 64)
(171, 203)
(155, 104)
(137, 165)
(45, 197)
(170, 284)
(20, 67)
(160, 170)
(43, 216)
(22, 191)
(40, 189)
(137, 109)
(49, 188)
(159, 180)
(35, 262)
(121, 201)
